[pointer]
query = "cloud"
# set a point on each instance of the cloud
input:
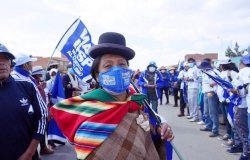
(162, 30)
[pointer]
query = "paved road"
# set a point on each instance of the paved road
(191, 143)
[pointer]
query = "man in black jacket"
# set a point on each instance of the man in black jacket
(22, 120)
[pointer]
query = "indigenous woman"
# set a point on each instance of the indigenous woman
(111, 122)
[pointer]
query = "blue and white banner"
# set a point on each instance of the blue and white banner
(75, 45)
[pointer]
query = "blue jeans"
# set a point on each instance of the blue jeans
(211, 112)
(154, 104)
(213, 103)
(248, 127)
(241, 127)
(207, 119)
(202, 107)
(224, 109)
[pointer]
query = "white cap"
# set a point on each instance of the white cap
(37, 70)
(185, 64)
(24, 58)
(224, 61)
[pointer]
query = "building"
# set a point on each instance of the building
(43, 61)
(199, 57)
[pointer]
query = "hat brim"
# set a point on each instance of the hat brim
(41, 72)
(205, 67)
(53, 64)
(246, 61)
(163, 69)
(108, 48)
(33, 59)
(8, 54)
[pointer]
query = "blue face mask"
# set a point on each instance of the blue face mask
(70, 70)
(191, 65)
(116, 80)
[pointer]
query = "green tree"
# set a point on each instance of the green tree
(229, 52)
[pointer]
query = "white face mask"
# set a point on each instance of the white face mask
(151, 69)
(163, 71)
(53, 78)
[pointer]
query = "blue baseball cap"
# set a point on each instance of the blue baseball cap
(245, 59)
(5, 51)
(205, 65)
(152, 63)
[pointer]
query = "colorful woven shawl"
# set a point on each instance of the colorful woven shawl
(89, 119)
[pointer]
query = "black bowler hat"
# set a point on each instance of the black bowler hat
(205, 65)
(113, 43)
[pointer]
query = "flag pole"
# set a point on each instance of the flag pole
(59, 42)
(158, 120)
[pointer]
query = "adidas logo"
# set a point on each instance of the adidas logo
(24, 102)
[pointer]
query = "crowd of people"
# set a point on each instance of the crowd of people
(26, 94)
(97, 112)
(207, 92)
(31, 114)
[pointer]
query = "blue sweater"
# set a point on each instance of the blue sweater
(143, 80)
(21, 118)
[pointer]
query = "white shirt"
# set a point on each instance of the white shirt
(237, 81)
(181, 75)
(244, 75)
(192, 73)
(206, 81)
(224, 75)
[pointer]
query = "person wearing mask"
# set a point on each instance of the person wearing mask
(104, 122)
(165, 84)
(211, 101)
(175, 85)
(193, 84)
(52, 65)
(22, 117)
(183, 88)
(70, 83)
(149, 82)
(51, 81)
(227, 74)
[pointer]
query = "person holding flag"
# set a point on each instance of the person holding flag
(110, 122)
(211, 102)
(150, 81)
(227, 74)
(241, 117)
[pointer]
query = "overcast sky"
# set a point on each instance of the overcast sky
(159, 30)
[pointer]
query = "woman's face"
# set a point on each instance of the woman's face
(110, 60)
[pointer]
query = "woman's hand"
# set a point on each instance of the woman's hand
(166, 132)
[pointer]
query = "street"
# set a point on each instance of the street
(192, 143)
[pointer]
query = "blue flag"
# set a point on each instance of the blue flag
(57, 93)
(54, 133)
(233, 100)
(153, 121)
(75, 45)
(221, 82)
